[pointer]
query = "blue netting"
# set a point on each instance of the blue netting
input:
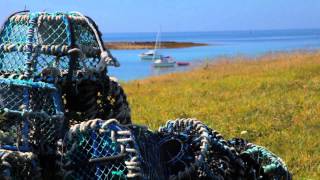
(31, 112)
(33, 42)
(100, 150)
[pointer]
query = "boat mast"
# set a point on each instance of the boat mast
(157, 44)
(159, 38)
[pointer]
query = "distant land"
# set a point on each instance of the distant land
(150, 45)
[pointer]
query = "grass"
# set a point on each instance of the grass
(275, 98)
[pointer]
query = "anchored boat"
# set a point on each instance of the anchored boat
(154, 54)
(164, 61)
(181, 63)
(150, 55)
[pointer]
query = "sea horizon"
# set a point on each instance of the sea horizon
(220, 44)
(204, 31)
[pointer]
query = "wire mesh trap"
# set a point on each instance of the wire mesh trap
(50, 44)
(184, 146)
(99, 149)
(65, 49)
(100, 98)
(182, 149)
(30, 114)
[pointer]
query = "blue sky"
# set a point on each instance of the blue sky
(182, 15)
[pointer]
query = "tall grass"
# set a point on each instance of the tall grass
(275, 98)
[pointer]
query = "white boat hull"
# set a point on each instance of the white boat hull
(164, 64)
(149, 58)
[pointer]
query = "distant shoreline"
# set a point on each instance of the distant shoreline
(150, 45)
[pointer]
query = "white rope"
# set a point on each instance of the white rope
(125, 138)
(105, 56)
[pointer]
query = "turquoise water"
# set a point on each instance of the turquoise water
(229, 43)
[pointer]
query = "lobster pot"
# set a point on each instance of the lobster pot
(184, 146)
(18, 165)
(148, 143)
(32, 44)
(272, 166)
(99, 149)
(101, 98)
(30, 115)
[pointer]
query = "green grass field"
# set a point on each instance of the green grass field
(275, 98)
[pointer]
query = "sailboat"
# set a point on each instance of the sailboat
(160, 60)
(152, 54)
(164, 61)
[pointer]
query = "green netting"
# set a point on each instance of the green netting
(84, 36)
(29, 113)
(184, 147)
(53, 31)
(272, 165)
(99, 149)
(31, 43)
(15, 32)
(191, 150)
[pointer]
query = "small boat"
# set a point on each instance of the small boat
(164, 61)
(150, 55)
(183, 63)
(154, 54)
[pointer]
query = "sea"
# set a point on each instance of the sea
(220, 44)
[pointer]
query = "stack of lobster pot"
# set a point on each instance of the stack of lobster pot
(53, 74)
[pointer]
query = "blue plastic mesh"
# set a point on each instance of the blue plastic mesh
(99, 139)
(30, 113)
(31, 43)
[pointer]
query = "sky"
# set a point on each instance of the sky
(182, 15)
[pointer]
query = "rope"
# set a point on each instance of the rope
(272, 165)
(111, 130)
(15, 165)
(218, 158)
(120, 107)
(95, 96)
(58, 50)
(106, 57)
(198, 134)
(29, 46)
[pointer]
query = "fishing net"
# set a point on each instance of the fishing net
(194, 151)
(31, 44)
(260, 162)
(148, 143)
(64, 49)
(101, 98)
(30, 114)
(182, 149)
(184, 146)
(99, 149)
